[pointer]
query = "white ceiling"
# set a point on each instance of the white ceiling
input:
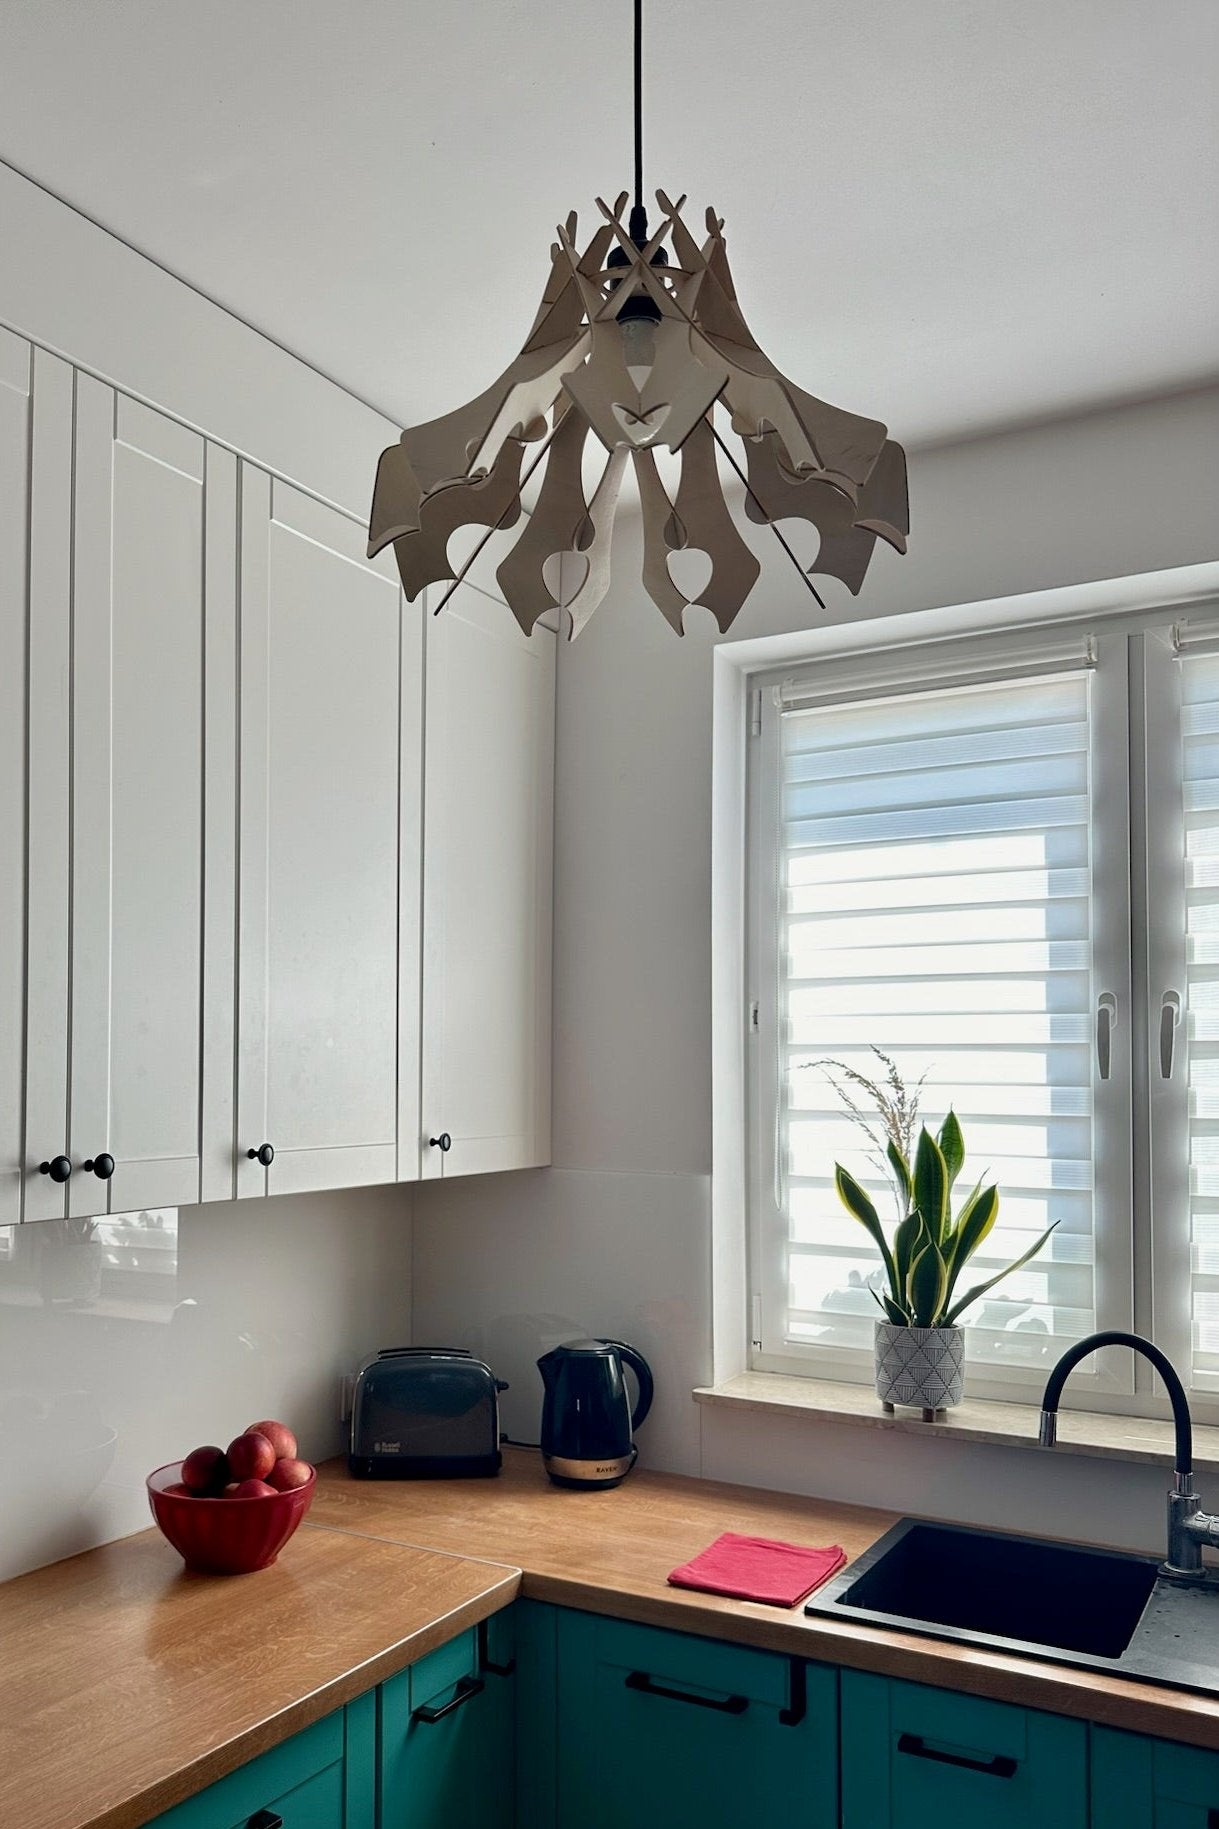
(950, 213)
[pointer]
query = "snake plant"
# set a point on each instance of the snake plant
(931, 1244)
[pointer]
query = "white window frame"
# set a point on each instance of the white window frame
(1128, 1284)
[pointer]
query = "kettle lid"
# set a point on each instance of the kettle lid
(589, 1347)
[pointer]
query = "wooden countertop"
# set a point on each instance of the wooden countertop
(127, 1684)
(610, 1552)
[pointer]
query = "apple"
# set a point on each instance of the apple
(205, 1469)
(253, 1489)
(289, 1473)
(251, 1456)
(280, 1437)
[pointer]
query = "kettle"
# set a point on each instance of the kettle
(587, 1421)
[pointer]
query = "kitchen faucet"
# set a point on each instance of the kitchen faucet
(1189, 1527)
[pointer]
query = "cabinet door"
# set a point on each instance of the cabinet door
(488, 825)
(320, 1779)
(913, 1756)
(1152, 1784)
(16, 385)
(446, 1757)
(47, 785)
(142, 496)
(325, 645)
(659, 1730)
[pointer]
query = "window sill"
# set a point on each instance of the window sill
(1008, 1425)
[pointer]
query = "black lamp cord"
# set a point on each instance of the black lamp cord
(639, 215)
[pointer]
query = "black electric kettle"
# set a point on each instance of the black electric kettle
(587, 1422)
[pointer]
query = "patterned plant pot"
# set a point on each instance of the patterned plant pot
(920, 1366)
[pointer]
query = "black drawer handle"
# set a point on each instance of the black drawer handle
(265, 1819)
(265, 1153)
(1000, 1766)
(486, 1667)
(467, 1688)
(103, 1167)
(726, 1705)
(58, 1168)
(443, 1142)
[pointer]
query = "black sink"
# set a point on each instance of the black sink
(1098, 1608)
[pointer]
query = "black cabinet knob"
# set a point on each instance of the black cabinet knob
(102, 1166)
(443, 1142)
(58, 1168)
(264, 1154)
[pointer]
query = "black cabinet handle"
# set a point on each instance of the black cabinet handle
(1212, 1819)
(724, 1705)
(265, 1819)
(264, 1154)
(443, 1142)
(467, 1688)
(102, 1166)
(1000, 1766)
(485, 1665)
(58, 1168)
(797, 1694)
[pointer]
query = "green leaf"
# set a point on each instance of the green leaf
(931, 1185)
(974, 1222)
(901, 1168)
(860, 1207)
(900, 1317)
(952, 1146)
(980, 1289)
(928, 1282)
(905, 1243)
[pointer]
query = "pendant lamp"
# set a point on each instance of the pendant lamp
(638, 343)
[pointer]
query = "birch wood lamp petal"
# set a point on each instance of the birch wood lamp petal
(638, 342)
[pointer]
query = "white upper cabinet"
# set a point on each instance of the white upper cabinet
(143, 495)
(488, 817)
(16, 381)
(328, 945)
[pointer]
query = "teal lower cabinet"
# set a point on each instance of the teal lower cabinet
(661, 1730)
(446, 1735)
(913, 1756)
(323, 1778)
(1152, 1784)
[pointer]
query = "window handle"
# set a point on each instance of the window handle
(1170, 1017)
(1106, 1023)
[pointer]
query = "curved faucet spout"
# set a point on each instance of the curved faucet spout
(1163, 1365)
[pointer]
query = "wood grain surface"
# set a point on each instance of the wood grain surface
(610, 1552)
(127, 1684)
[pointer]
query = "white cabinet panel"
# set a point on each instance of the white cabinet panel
(48, 784)
(322, 650)
(137, 803)
(15, 387)
(488, 819)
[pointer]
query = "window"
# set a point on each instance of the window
(996, 859)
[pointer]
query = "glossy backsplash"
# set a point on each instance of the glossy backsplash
(124, 1343)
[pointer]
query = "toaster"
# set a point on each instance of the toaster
(424, 1413)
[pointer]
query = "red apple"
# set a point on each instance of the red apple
(289, 1473)
(280, 1437)
(205, 1469)
(251, 1456)
(253, 1489)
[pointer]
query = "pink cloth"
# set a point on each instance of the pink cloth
(758, 1568)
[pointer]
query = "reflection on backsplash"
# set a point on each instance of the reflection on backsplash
(126, 1341)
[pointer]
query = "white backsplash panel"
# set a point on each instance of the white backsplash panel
(126, 1342)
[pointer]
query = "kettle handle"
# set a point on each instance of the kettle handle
(643, 1373)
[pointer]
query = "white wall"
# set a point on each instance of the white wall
(270, 1302)
(617, 1236)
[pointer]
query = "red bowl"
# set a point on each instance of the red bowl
(225, 1536)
